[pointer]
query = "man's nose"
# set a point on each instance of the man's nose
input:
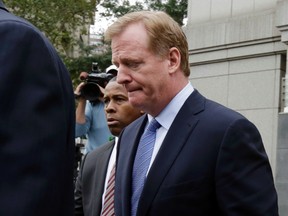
(123, 75)
(109, 107)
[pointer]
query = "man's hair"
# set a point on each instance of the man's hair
(163, 33)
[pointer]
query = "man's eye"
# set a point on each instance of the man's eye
(120, 100)
(106, 101)
(132, 64)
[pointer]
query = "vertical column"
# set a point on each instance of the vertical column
(285, 81)
(282, 25)
(282, 160)
(282, 144)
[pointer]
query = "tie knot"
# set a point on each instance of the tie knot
(153, 125)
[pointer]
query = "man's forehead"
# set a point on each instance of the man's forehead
(114, 88)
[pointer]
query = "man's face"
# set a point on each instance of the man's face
(119, 112)
(144, 74)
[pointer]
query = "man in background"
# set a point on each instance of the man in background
(37, 115)
(90, 114)
(97, 165)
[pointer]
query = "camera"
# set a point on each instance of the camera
(90, 90)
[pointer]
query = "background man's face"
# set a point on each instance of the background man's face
(119, 111)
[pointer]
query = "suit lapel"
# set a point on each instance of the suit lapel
(174, 141)
(129, 143)
(100, 171)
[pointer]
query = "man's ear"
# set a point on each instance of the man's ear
(174, 59)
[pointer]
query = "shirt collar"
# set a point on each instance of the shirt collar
(168, 114)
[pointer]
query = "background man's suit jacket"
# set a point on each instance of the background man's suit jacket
(37, 123)
(212, 162)
(91, 180)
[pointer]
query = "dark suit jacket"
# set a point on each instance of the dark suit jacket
(212, 162)
(37, 115)
(91, 180)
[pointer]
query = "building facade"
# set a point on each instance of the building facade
(238, 57)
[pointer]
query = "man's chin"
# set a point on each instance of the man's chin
(114, 130)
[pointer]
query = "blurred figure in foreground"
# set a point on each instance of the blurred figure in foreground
(37, 115)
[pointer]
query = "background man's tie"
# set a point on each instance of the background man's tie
(108, 208)
(141, 163)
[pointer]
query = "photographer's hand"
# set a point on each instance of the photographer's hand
(80, 111)
(78, 90)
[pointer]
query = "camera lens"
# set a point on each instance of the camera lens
(90, 91)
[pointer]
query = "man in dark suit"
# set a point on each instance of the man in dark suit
(97, 165)
(37, 115)
(206, 159)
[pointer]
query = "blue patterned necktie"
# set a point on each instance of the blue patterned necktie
(141, 163)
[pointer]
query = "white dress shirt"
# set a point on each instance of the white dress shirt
(167, 116)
